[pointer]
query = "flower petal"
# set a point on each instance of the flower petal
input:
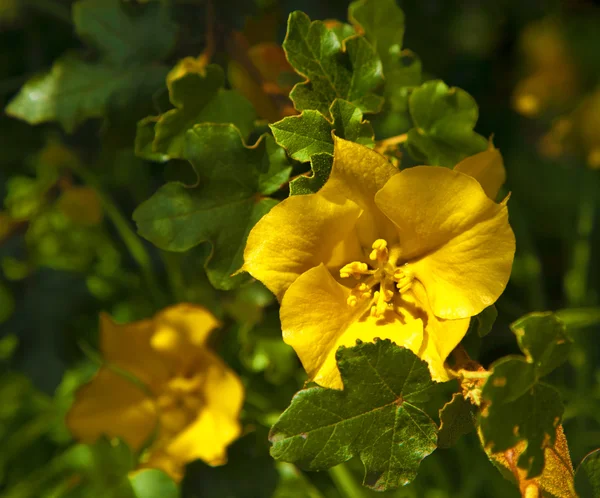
(316, 321)
(440, 336)
(128, 346)
(217, 424)
(113, 406)
(458, 242)
(180, 335)
(297, 234)
(487, 168)
(358, 173)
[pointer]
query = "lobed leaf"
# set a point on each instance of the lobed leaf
(378, 417)
(543, 339)
(520, 408)
(75, 90)
(457, 419)
(532, 417)
(310, 133)
(350, 70)
(234, 182)
(320, 165)
(383, 23)
(443, 119)
(198, 96)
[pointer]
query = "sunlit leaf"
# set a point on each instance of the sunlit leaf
(316, 53)
(311, 133)
(443, 119)
(377, 417)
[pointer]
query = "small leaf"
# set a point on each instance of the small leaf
(316, 53)
(124, 39)
(376, 417)
(556, 480)
(304, 135)
(458, 418)
(443, 119)
(520, 407)
(321, 167)
(485, 320)
(587, 477)
(532, 417)
(231, 198)
(198, 95)
(543, 339)
(310, 133)
(153, 483)
(383, 24)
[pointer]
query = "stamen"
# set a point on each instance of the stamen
(380, 251)
(354, 269)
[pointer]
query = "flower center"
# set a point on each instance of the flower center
(179, 403)
(382, 272)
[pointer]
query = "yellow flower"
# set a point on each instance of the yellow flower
(408, 256)
(191, 400)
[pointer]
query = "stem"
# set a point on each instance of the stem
(130, 239)
(345, 482)
(51, 8)
(576, 279)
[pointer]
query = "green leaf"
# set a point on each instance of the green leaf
(457, 419)
(310, 133)
(98, 469)
(125, 39)
(198, 97)
(519, 405)
(316, 53)
(587, 476)
(533, 417)
(293, 484)
(153, 483)
(484, 321)
(383, 24)
(144, 140)
(543, 339)
(377, 417)
(320, 166)
(234, 181)
(443, 119)
(74, 91)
(342, 30)
(263, 350)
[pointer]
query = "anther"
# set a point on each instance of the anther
(354, 269)
(380, 251)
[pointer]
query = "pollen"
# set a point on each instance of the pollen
(381, 279)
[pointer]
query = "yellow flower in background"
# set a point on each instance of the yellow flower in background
(189, 408)
(408, 256)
